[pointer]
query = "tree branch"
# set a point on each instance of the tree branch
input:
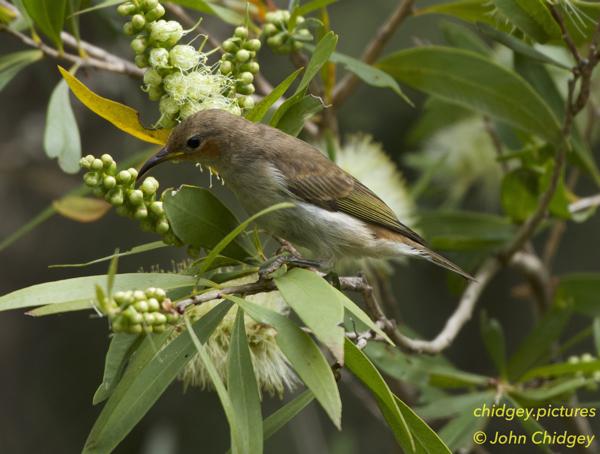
(373, 50)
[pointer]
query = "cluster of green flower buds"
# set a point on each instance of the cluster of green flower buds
(239, 62)
(118, 188)
(140, 311)
(585, 358)
(282, 35)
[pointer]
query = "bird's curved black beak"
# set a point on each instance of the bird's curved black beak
(162, 156)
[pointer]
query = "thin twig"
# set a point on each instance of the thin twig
(536, 273)
(373, 50)
(585, 203)
(114, 65)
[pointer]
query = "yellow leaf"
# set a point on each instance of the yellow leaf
(81, 209)
(120, 115)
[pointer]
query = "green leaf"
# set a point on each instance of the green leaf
(495, 344)
(581, 290)
(465, 230)
(358, 363)
(286, 413)
(369, 74)
(467, 10)
(311, 6)
(520, 47)
(304, 356)
(120, 349)
(450, 377)
(473, 81)
(426, 439)
(81, 209)
(438, 114)
(560, 369)
(101, 5)
(61, 308)
(243, 389)
(11, 64)
(258, 112)
(48, 16)
(519, 193)
(61, 135)
(292, 122)
(199, 219)
(318, 305)
(549, 391)
(320, 56)
(152, 368)
(227, 15)
(596, 328)
(538, 342)
(227, 240)
(458, 433)
(454, 405)
(458, 35)
(134, 250)
(81, 289)
(513, 12)
(529, 424)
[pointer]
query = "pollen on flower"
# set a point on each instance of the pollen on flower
(273, 373)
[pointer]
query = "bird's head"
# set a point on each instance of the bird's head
(205, 138)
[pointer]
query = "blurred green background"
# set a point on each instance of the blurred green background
(52, 366)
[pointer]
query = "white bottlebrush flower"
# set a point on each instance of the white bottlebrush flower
(159, 57)
(366, 160)
(165, 33)
(200, 85)
(184, 57)
(273, 373)
(465, 157)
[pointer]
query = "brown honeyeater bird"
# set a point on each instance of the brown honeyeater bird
(335, 215)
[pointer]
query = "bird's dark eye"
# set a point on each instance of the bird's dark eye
(193, 142)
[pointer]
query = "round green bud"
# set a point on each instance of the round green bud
(91, 179)
(147, 329)
(116, 197)
(159, 329)
(285, 15)
(300, 20)
(135, 329)
(149, 318)
(141, 213)
(245, 89)
(141, 61)
(126, 9)
(253, 45)
(229, 45)
(133, 172)
(297, 45)
(139, 45)
(132, 315)
(150, 291)
(141, 306)
(269, 29)
(184, 57)
(241, 32)
(172, 317)
(119, 325)
(121, 210)
(587, 357)
(226, 67)
(165, 33)
(160, 294)
(152, 77)
(128, 28)
(138, 21)
(136, 197)
(153, 305)
(242, 55)
(120, 297)
(149, 4)
(275, 41)
(251, 66)
(159, 57)
(107, 160)
(156, 208)
(97, 164)
(162, 227)
(155, 13)
(247, 102)
(246, 78)
(304, 34)
(272, 16)
(149, 186)
(139, 295)
(84, 163)
(109, 182)
(155, 92)
(160, 318)
(123, 177)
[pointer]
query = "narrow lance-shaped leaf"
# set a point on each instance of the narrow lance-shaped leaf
(425, 437)
(155, 364)
(258, 112)
(48, 16)
(286, 413)
(292, 122)
(358, 363)
(471, 80)
(120, 115)
(495, 344)
(243, 390)
(304, 356)
(11, 64)
(81, 209)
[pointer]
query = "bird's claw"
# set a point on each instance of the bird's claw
(282, 261)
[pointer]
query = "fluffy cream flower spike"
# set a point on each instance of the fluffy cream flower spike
(273, 373)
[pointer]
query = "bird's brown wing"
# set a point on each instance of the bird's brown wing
(321, 182)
